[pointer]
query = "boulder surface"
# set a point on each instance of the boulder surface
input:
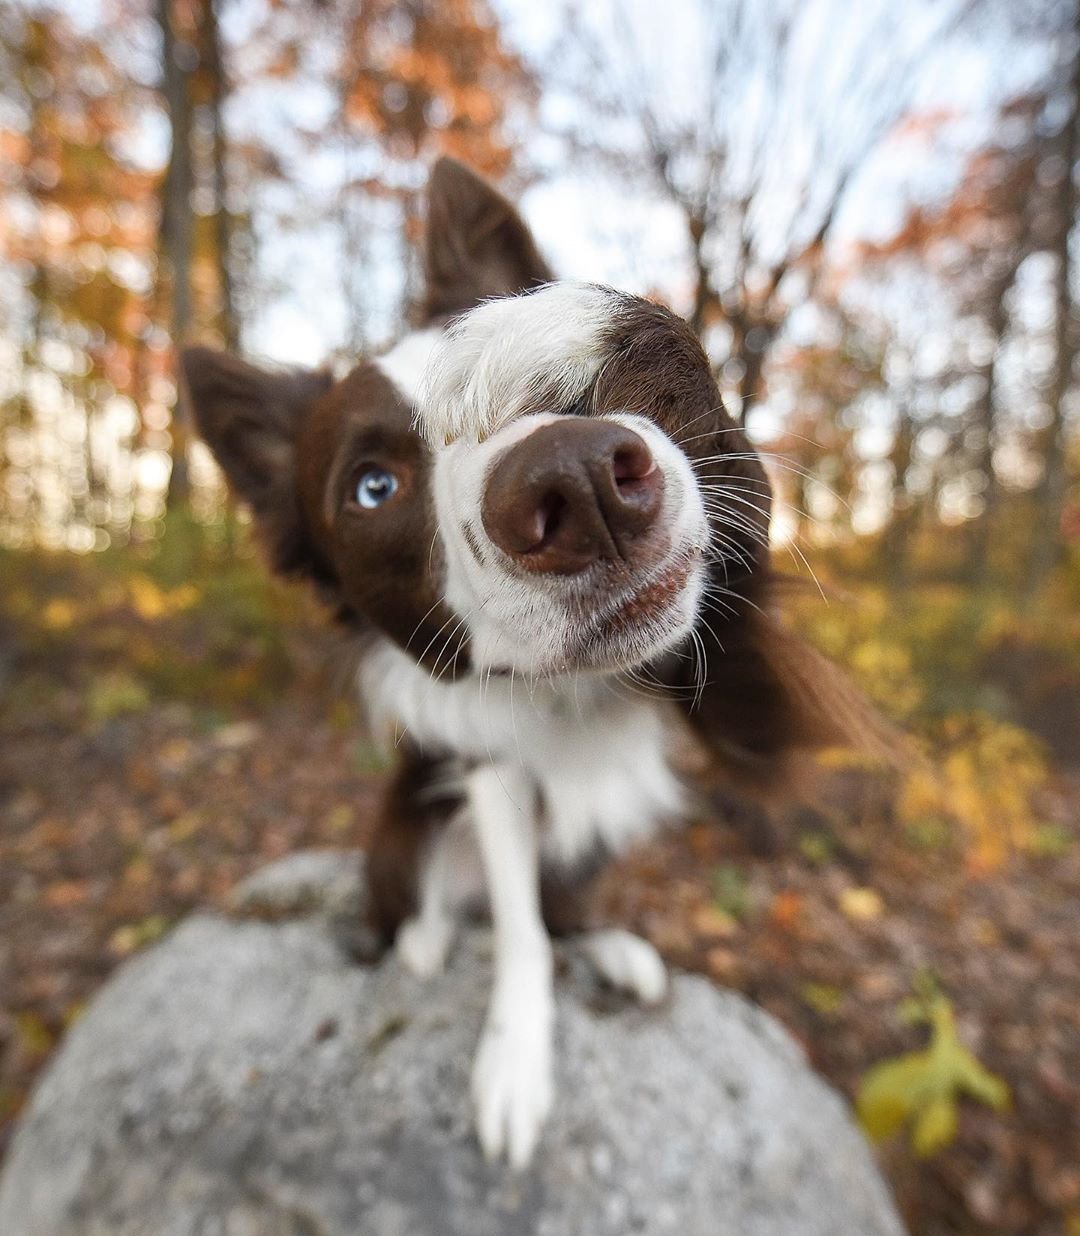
(246, 1078)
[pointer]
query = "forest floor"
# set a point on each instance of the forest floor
(170, 723)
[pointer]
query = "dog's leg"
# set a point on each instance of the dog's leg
(512, 1076)
(423, 941)
(620, 959)
(627, 962)
(409, 860)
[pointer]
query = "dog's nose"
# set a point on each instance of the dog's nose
(572, 492)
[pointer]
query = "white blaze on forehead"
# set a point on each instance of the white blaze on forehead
(498, 360)
(406, 361)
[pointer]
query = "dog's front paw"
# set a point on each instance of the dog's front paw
(512, 1087)
(627, 962)
(423, 945)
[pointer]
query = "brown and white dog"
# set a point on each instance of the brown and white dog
(552, 543)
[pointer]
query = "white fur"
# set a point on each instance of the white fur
(407, 360)
(512, 1075)
(493, 362)
(627, 962)
(596, 751)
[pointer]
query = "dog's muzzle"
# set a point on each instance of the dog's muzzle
(572, 494)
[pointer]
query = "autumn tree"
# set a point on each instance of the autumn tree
(408, 79)
(972, 246)
(1013, 204)
(1058, 217)
(769, 127)
(78, 235)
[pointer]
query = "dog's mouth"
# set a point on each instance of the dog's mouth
(639, 623)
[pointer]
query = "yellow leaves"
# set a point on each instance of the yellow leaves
(130, 937)
(151, 602)
(861, 904)
(920, 1090)
(823, 998)
(58, 615)
(984, 784)
(186, 826)
(885, 669)
(865, 637)
(113, 695)
(32, 1034)
(934, 1127)
(340, 819)
(714, 923)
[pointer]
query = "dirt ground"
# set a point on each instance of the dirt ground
(116, 819)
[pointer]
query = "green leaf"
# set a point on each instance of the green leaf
(935, 1126)
(888, 1093)
(920, 1089)
(731, 893)
(981, 1084)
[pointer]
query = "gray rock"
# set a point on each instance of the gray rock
(244, 1079)
(330, 881)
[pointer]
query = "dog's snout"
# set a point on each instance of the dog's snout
(571, 493)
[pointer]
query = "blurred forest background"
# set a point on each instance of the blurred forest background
(868, 212)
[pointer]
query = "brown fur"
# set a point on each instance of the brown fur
(477, 244)
(767, 694)
(410, 814)
(250, 418)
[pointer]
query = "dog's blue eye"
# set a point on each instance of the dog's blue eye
(374, 487)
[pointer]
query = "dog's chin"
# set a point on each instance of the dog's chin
(625, 632)
(633, 629)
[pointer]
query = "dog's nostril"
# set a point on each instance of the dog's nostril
(549, 519)
(632, 464)
(571, 494)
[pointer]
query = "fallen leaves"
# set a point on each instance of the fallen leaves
(113, 829)
(130, 937)
(861, 904)
(712, 923)
(65, 893)
(920, 1090)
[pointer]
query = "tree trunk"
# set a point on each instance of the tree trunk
(897, 540)
(982, 532)
(1050, 495)
(213, 63)
(177, 231)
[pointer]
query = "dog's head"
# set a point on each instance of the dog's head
(591, 491)
(542, 478)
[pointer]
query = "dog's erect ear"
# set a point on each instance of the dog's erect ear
(477, 243)
(249, 418)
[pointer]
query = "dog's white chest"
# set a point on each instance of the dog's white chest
(597, 754)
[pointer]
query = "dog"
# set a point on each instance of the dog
(552, 545)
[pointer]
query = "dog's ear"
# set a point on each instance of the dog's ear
(249, 418)
(767, 694)
(477, 243)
